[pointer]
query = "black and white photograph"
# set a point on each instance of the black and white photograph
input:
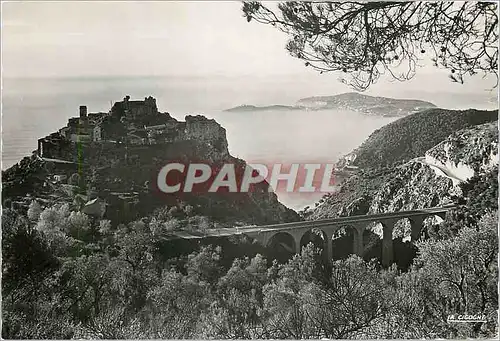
(249, 170)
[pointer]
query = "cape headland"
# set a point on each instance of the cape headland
(353, 101)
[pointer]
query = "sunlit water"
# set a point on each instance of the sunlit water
(33, 108)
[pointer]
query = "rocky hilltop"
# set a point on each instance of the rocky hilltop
(382, 106)
(106, 165)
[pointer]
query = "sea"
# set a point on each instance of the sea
(35, 107)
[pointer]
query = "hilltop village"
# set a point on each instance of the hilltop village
(128, 122)
(104, 163)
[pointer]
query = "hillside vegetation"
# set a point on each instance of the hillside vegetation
(411, 136)
(85, 283)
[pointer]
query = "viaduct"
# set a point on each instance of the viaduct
(328, 227)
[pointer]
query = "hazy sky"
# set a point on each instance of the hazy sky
(151, 38)
(138, 38)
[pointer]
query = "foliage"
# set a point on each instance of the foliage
(121, 288)
(204, 265)
(235, 311)
(480, 197)
(481, 193)
(175, 306)
(463, 273)
(465, 266)
(364, 40)
(34, 211)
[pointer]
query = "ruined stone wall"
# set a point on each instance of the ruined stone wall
(137, 111)
(140, 108)
(206, 130)
(200, 127)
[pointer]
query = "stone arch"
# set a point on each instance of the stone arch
(316, 236)
(361, 236)
(403, 229)
(406, 231)
(387, 255)
(282, 245)
(342, 241)
(367, 240)
(7, 203)
(372, 237)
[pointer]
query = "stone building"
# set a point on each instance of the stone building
(162, 133)
(79, 129)
(83, 111)
(65, 132)
(97, 133)
(134, 109)
(137, 137)
(52, 146)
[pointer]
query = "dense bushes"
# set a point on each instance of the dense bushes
(118, 285)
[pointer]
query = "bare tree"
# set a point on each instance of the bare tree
(367, 39)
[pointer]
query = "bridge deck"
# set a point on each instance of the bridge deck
(355, 218)
(223, 232)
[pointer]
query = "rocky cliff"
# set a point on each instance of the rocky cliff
(467, 153)
(435, 178)
(415, 184)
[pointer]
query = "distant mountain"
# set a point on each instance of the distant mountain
(381, 106)
(354, 101)
(244, 108)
